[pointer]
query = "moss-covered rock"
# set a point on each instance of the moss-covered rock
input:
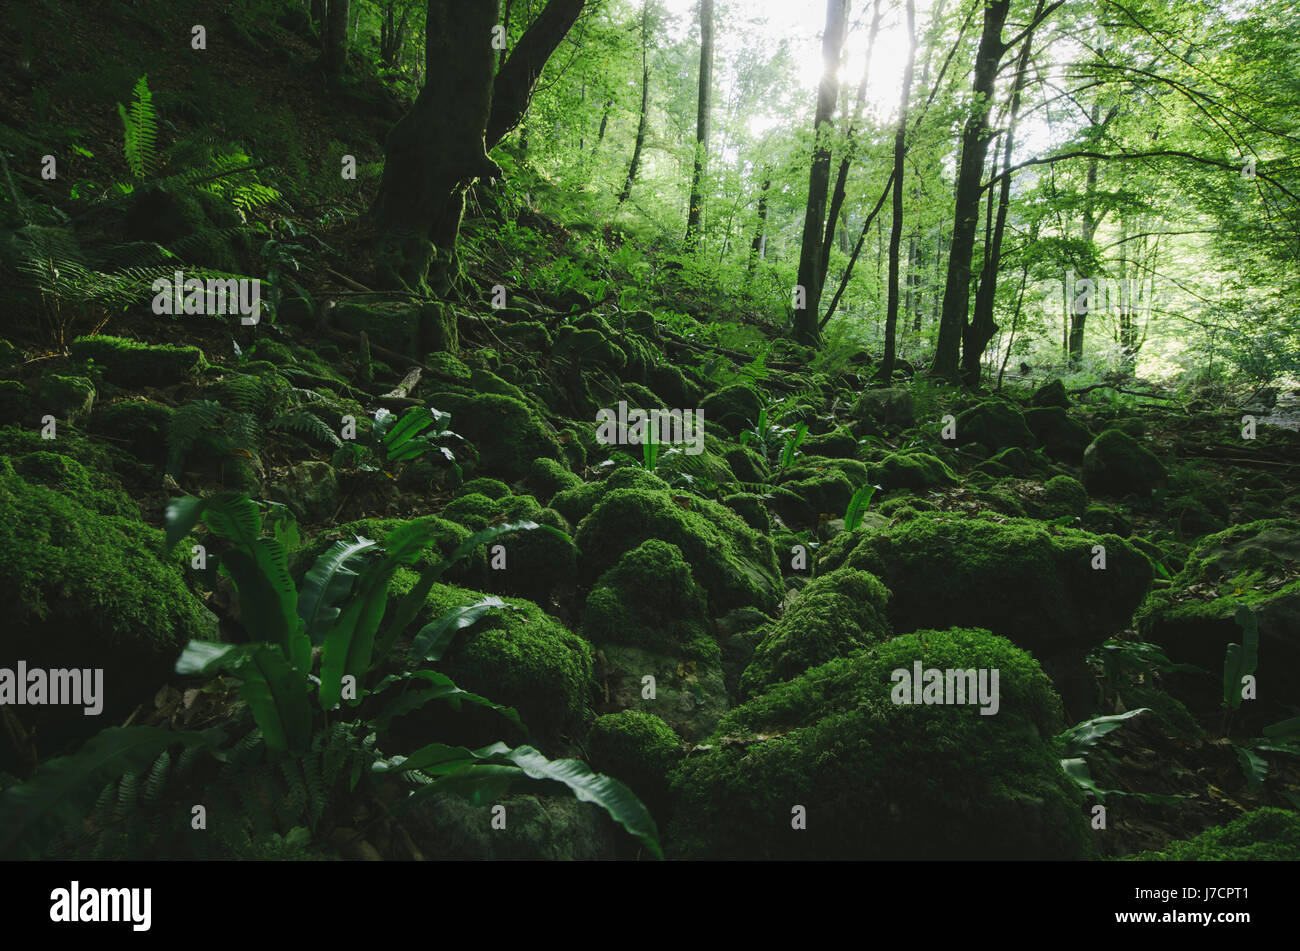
(492, 488)
(1027, 581)
(734, 407)
(1115, 465)
(891, 408)
(1255, 565)
(522, 658)
(69, 398)
(130, 363)
(648, 599)
(750, 507)
(18, 404)
(833, 616)
(839, 443)
(995, 424)
(911, 470)
(576, 504)
(1051, 394)
(447, 366)
(748, 465)
(1264, 835)
(87, 590)
(638, 748)
(588, 347)
(804, 495)
(735, 564)
(1062, 437)
(546, 477)
(474, 511)
(507, 433)
(885, 780)
(409, 328)
(1064, 496)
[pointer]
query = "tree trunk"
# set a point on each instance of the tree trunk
(320, 19)
(842, 177)
(695, 213)
(336, 39)
(518, 76)
(806, 324)
(982, 327)
(970, 173)
(886, 371)
(645, 104)
(756, 248)
(435, 151)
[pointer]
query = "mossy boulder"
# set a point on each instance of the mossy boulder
(834, 615)
(1061, 436)
(88, 590)
(638, 748)
(735, 564)
(1051, 394)
(1064, 496)
(474, 511)
(68, 398)
(734, 407)
(546, 477)
(1115, 465)
(508, 433)
(803, 495)
(408, 328)
(883, 780)
(839, 443)
(520, 657)
(537, 562)
(649, 599)
(310, 489)
(18, 404)
(131, 364)
(1264, 835)
(689, 685)
(911, 470)
(492, 488)
(1030, 582)
(588, 347)
(1256, 565)
(994, 424)
(748, 465)
(892, 408)
(750, 507)
(576, 503)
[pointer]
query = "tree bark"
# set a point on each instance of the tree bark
(756, 247)
(886, 371)
(970, 172)
(806, 326)
(517, 78)
(635, 164)
(694, 216)
(336, 39)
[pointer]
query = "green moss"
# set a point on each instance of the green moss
(1115, 465)
(649, 599)
(66, 397)
(1061, 437)
(492, 488)
(1105, 520)
(588, 347)
(96, 490)
(638, 748)
(735, 407)
(804, 495)
(507, 433)
(834, 615)
(447, 366)
(750, 507)
(838, 443)
(735, 564)
(140, 425)
(1027, 581)
(1064, 496)
(576, 504)
(530, 335)
(88, 590)
(130, 363)
(880, 780)
(993, 423)
(746, 464)
(17, 404)
(522, 658)
(911, 470)
(1265, 835)
(474, 511)
(546, 477)
(1051, 394)
(538, 562)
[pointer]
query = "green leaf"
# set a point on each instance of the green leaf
(64, 788)
(1253, 767)
(857, 506)
(327, 583)
(275, 692)
(440, 687)
(1240, 660)
(435, 637)
(350, 641)
(1077, 770)
(1083, 736)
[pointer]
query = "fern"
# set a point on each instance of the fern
(140, 129)
(305, 423)
(200, 420)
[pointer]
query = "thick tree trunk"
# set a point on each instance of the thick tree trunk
(336, 39)
(694, 216)
(806, 323)
(886, 371)
(435, 151)
(966, 211)
(518, 76)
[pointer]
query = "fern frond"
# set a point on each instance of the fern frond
(140, 130)
(306, 424)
